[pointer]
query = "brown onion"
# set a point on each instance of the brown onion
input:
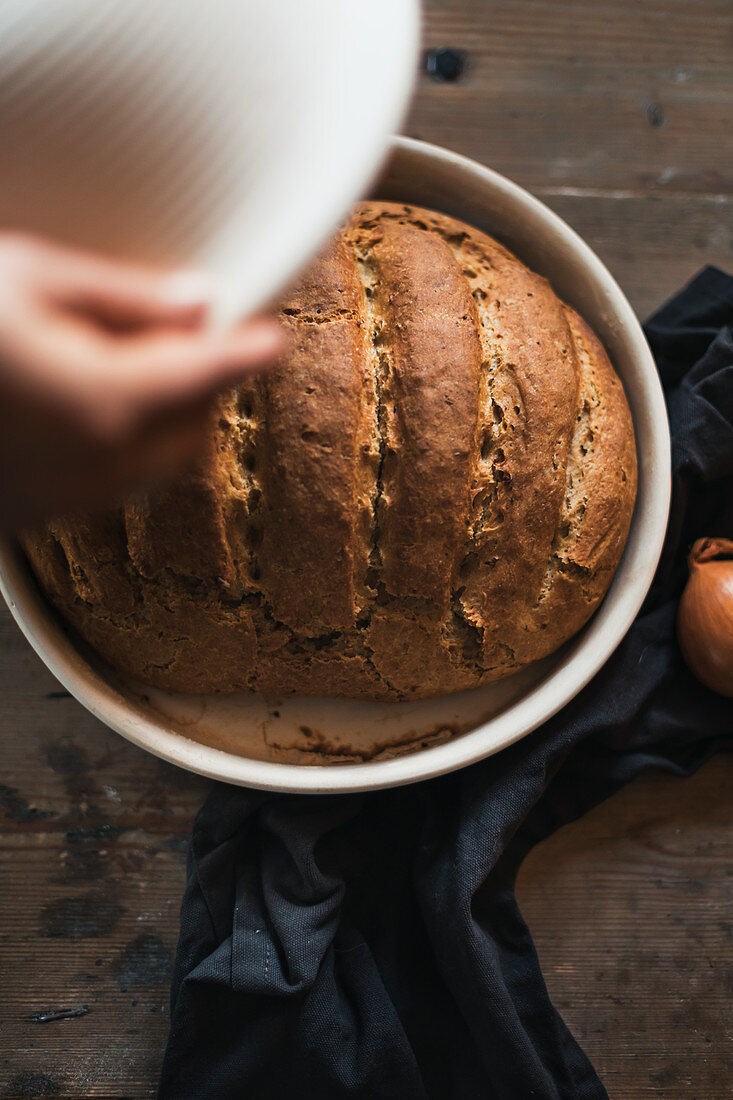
(705, 614)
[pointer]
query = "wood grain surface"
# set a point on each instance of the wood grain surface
(618, 114)
(631, 909)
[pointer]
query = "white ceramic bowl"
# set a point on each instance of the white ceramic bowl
(247, 740)
(184, 132)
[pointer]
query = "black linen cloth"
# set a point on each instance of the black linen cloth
(370, 945)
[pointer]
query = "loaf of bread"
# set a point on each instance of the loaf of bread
(431, 490)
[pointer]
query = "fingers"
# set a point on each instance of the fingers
(114, 293)
(158, 371)
(107, 373)
(107, 384)
(169, 367)
(125, 296)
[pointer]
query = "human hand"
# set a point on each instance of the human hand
(106, 375)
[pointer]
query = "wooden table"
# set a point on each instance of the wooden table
(618, 114)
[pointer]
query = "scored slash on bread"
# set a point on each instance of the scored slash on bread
(430, 491)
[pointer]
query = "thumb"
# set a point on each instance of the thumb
(170, 368)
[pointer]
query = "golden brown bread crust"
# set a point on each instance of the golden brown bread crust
(432, 490)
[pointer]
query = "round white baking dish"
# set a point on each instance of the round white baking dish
(252, 741)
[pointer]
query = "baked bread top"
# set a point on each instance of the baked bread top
(431, 490)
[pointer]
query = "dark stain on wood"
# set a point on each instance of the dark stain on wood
(85, 833)
(86, 916)
(17, 808)
(654, 114)
(33, 1084)
(83, 865)
(66, 758)
(52, 1015)
(445, 64)
(144, 962)
(85, 856)
(71, 763)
